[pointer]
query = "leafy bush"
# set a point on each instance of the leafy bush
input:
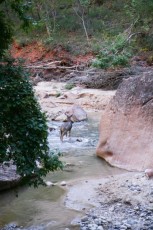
(5, 34)
(23, 133)
(69, 86)
(115, 53)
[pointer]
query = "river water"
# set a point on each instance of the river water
(43, 208)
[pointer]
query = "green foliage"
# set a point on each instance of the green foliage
(140, 14)
(58, 94)
(23, 133)
(5, 34)
(114, 53)
(21, 7)
(60, 17)
(69, 86)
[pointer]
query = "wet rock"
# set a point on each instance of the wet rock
(49, 183)
(63, 183)
(79, 140)
(51, 129)
(61, 117)
(8, 176)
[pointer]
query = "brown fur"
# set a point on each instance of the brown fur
(66, 127)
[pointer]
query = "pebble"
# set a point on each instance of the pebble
(63, 183)
(49, 183)
(100, 228)
(84, 219)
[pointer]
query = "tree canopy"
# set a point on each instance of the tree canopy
(23, 133)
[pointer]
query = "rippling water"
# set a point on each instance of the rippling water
(44, 208)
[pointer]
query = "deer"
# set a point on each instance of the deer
(66, 127)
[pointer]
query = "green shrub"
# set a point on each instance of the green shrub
(58, 94)
(69, 86)
(5, 34)
(114, 53)
(23, 133)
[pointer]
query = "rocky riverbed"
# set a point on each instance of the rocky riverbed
(121, 202)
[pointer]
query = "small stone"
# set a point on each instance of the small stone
(100, 228)
(123, 227)
(84, 228)
(79, 140)
(136, 208)
(112, 209)
(150, 208)
(142, 214)
(51, 129)
(76, 221)
(49, 183)
(92, 226)
(127, 201)
(84, 219)
(63, 183)
(149, 173)
(98, 221)
(128, 225)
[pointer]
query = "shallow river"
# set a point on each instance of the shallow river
(43, 208)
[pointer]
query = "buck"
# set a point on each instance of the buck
(66, 127)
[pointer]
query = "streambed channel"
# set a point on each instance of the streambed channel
(44, 208)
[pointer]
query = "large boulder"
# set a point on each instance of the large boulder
(126, 128)
(78, 113)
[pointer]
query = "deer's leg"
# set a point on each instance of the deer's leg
(61, 136)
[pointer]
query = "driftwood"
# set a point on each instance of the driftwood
(42, 65)
(56, 65)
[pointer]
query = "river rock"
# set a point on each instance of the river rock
(78, 113)
(126, 138)
(61, 117)
(63, 183)
(8, 176)
(49, 183)
(149, 173)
